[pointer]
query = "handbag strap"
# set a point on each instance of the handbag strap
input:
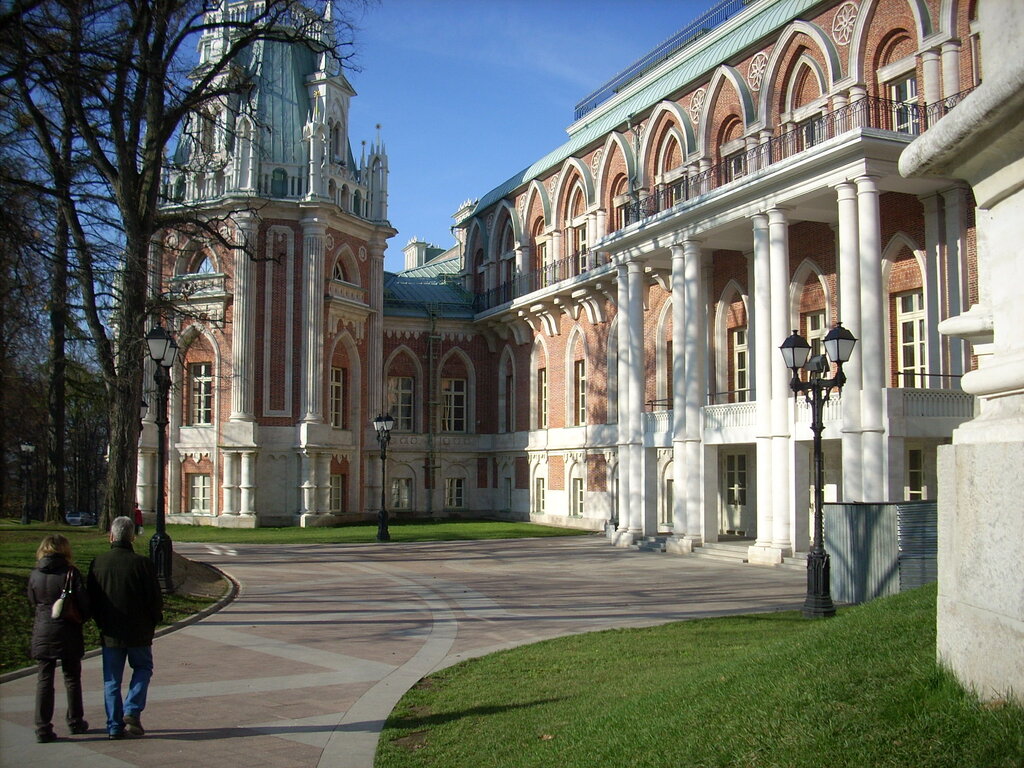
(68, 580)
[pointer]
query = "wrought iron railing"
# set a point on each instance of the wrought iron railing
(868, 112)
(534, 280)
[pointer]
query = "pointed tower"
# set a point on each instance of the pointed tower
(278, 318)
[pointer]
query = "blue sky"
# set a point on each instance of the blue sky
(470, 92)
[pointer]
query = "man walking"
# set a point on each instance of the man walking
(127, 605)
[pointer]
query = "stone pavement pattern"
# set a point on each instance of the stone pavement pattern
(305, 666)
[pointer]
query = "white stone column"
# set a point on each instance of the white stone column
(759, 331)
(145, 488)
(323, 483)
(246, 486)
(228, 485)
(374, 373)
(626, 501)
(938, 358)
(872, 347)
(635, 410)
(307, 484)
(694, 342)
(849, 315)
(950, 68)
(781, 327)
(979, 611)
(679, 521)
(243, 319)
(932, 65)
(313, 230)
(955, 268)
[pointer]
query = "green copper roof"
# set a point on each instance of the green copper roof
(757, 22)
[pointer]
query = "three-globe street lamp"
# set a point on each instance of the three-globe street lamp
(27, 453)
(163, 350)
(839, 344)
(383, 424)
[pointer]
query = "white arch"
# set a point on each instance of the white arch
(506, 367)
(780, 55)
(806, 269)
(538, 190)
(923, 28)
(615, 140)
(355, 378)
(662, 385)
(502, 209)
(815, 68)
(540, 348)
(683, 130)
(722, 75)
(470, 382)
(566, 178)
(400, 350)
(576, 335)
(345, 257)
(721, 331)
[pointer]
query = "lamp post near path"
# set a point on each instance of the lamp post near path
(163, 350)
(839, 344)
(28, 451)
(383, 424)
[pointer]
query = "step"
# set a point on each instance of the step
(733, 553)
(650, 544)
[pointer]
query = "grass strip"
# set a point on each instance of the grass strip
(862, 689)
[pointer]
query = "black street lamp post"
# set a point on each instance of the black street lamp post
(27, 453)
(839, 345)
(383, 424)
(163, 350)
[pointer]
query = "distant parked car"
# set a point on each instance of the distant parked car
(80, 518)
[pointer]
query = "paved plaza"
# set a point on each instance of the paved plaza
(303, 668)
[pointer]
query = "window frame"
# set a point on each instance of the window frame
(454, 405)
(201, 394)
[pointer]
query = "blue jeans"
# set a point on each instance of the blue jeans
(141, 661)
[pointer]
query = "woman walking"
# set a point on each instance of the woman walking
(57, 637)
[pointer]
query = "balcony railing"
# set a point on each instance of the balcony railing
(868, 112)
(534, 280)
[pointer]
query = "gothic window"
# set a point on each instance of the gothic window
(337, 397)
(579, 376)
(454, 492)
(903, 94)
(542, 398)
(199, 494)
(538, 496)
(401, 493)
(200, 377)
(453, 405)
(577, 497)
(401, 390)
(740, 364)
(337, 493)
(911, 339)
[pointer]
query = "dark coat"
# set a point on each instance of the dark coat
(55, 638)
(126, 599)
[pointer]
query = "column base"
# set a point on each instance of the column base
(679, 545)
(313, 520)
(623, 539)
(765, 554)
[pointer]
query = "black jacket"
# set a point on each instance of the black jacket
(126, 599)
(55, 638)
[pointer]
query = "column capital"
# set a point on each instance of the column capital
(778, 215)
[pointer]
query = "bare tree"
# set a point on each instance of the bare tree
(121, 76)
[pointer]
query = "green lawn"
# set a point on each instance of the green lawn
(860, 690)
(18, 545)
